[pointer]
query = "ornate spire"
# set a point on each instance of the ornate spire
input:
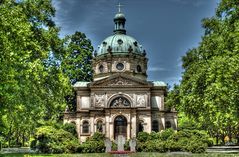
(119, 21)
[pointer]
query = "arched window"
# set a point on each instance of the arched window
(141, 126)
(99, 126)
(120, 126)
(85, 127)
(155, 126)
(168, 124)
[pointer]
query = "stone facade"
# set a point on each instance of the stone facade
(120, 100)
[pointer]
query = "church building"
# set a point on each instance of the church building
(120, 100)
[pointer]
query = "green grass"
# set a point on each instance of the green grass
(131, 155)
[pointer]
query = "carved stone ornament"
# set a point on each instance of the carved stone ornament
(119, 81)
(140, 100)
(99, 100)
(120, 102)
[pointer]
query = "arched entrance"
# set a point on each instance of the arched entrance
(120, 126)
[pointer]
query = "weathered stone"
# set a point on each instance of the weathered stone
(108, 145)
(120, 143)
(132, 144)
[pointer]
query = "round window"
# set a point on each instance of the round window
(101, 68)
(120, 66)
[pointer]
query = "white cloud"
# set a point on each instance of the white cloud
(156, 69)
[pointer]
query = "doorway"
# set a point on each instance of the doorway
(120, 126)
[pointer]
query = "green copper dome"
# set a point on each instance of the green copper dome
(119, 16)
(119, 42)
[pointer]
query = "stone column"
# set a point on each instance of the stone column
(78, 128)
(78, 100)
(129, 125)
(111, 130)
(162, 102)
(133, 124)
(128, 130)
(92, 125)
(175, 122)
(107, 125)
(163, 122)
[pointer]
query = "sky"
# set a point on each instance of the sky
(166, 29)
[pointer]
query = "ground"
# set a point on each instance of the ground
(131, 155)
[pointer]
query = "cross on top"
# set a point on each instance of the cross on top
(119, 7)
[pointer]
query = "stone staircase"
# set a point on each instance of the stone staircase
(223, 149)
(16, 150)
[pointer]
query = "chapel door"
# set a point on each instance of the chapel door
(120, 126)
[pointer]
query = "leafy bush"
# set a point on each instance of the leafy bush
(97, 137)
(114, 146)
(51, 140)
(69, 127)
(154, 135)
(168, 140)
(143, 136)
(126, 145)
(94, 144)
(166, 134)
(195, 146)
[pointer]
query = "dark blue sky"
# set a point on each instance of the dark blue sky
(165, 28)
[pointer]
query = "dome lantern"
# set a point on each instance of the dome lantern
(119, 42)
(119, 22)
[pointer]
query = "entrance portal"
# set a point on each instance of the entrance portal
(120, 126)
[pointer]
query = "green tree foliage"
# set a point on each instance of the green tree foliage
(32, 87)
(209, 90)
(77, 62)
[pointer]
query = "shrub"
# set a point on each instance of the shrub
(189, 140)
(154, 135)
(69, 127)
(114, 146)
(173, 145)
(195, 146)
(165, 134)
(51, 140)
(94, 144)
(97, 137)
(143, 136)
(168, 140)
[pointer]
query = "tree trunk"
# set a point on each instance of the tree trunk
(9, 136)
(23, 138)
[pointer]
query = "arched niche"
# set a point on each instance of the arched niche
(121, 101)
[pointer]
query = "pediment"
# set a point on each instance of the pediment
(120, 80)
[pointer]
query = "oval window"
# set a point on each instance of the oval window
(139, 68)
(101, 68)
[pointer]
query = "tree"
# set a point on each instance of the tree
(32, 87)
(209, 90)
(77, 62)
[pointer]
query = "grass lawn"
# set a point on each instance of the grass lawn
(131, 155)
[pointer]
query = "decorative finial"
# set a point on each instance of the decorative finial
(119, 7)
